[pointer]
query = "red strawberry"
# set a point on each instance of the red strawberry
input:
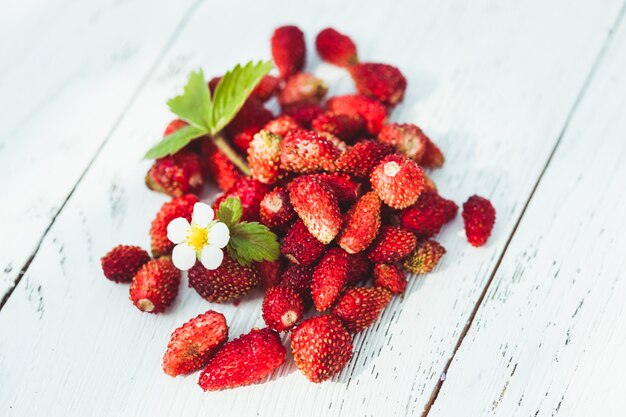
(413, 142)
(282, 308)
(288, 50)
(426, 217)
(228, 282)
(178, 207)
(262, 92)
(302, 88)
(360, 224)
(217, 165)
(276, 210)
(358, 308)
(270, 272)
(122, 262)
(336, 48)
(316, 206)
(173, 126)
(340, 145)
(329, 278)
(282, 125)
(192, 344)
(369, 109)
(300, 246)
(392, 244)
(479, 217)
(344, 126)
(398, 181)
(176, 174)
(359, 268)
(360, 159)
(305, 151)
(425, 257)
(248, 121)
(250, 192)
(264, 157)
(433, 157)
(383, 82)
(244, 361)
(303, 113)
(321, 347)
(155, 285)
(390, 277)
(299, 277)
(341, 185)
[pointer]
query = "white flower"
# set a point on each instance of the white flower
(203, 239)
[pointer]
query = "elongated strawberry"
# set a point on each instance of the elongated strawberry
(398, 181)
(479, 217)
(321, 347)
(299, 277)
(155, 285)
(300, 247)
(282, 125)
(192, 344)
(425, 257)
(359, 268)
(359, 307)
(383, 82)
(288, 50)
(391, 245)
(122, 262)
(264, 157)
(329, 278)
(360, 159)
(250, 192)
(302, 88)
(344, 126)
(276, 211)
(178, 207)
(304, 151)
(336, 48)
(426, 217)
(390, 277)
(270, 272)
(346, 189)
(316, 206)
(244, 361)
(176, 174)
(218, 166)
(303, 113)
(373, 112)
(282, 308)
(360, 224)
(228, 282)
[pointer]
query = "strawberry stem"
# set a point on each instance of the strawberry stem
(223, 145)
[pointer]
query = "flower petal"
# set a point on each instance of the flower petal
(183, 257)
(177, 230)
(219, 235)
(211, 257)
(202, 215)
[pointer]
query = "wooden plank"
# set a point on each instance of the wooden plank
(68, 71)
(492, 83)
(549, 337)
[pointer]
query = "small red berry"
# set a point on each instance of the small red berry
(426, 217)
(373, 112)
(360, 224)
(282, 308)
(336, 48)
(288, 50)
(383, 82)
(425, 257)
(398, 181)
(390, 277)
(302, 88)
(178, 207)
(304, 151)
(392, 245)
(176, 174)
(230, 281)
(122, 262)
(360, 159)
(264, 157)
(300, 247)
(479, 217)
(155, 285)
(359, 307)
(329, 278)
(276, 210)
(344, 126)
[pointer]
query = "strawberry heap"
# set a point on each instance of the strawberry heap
(340, 188)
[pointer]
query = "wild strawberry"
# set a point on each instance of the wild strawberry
(336, 48)
(264, 157)
(173, 126)
(398, 181)
(155, 285)
(282, 125)
(391, 245)
(303, 113)
(244, 361)
(359, 268)
(358, 308)
(425, 257)
(305, 151)
(383, 82)
(340, 145)
(300, 246)
(299, 277)
(228, 282)
(479, 217)
(413, 142)
(248, 121)
(344, 126)
(426, 217)
(122, 262)
(360, 224)
(316, 206)
(270, 272)
(176, 174)
(302, 88)
(282, 308)
(178, 207)
(276, 210)
(192, 344)
(433, 157)
(372, 111)
(218, 166)
(390, 277)
(250, 192)
(262, 92)
(288, 50)
(341, 185)
(360, 159)
(329, 278)
(321, 347)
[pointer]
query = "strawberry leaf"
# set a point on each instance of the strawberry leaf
(252, 242)
(175, 141)
(194, 105)
(230, 211)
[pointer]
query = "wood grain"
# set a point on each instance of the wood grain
(493, 83)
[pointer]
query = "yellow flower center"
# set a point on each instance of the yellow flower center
(197, 238)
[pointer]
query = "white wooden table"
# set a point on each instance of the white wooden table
(527, 100)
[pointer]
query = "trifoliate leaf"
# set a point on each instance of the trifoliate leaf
(194, 105)
(233, 90)
(252, 241)
(230, 211)
(175, 141)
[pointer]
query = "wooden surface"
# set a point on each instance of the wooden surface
(525, 98)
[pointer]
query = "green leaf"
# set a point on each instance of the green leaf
(194, 105)
(233, 90)
(174, 142)
(252, 241)
(230, 211)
